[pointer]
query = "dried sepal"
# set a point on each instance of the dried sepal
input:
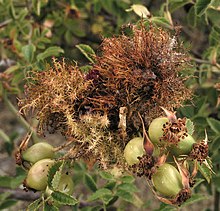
(185, 175)
(200, 150)
(174, 130)
(145, 166)
(22, 147)
(148, 145)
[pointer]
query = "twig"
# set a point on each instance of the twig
(202, 61)
(30, 196)
(20, 194)
(5, 23)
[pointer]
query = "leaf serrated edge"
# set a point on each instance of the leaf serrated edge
(63, 198)
(57, 176)
(52, 171)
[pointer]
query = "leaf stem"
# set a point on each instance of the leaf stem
(104, 206)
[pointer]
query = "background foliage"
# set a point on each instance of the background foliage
(31, 32)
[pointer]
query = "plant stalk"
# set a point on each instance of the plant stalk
(23, 122)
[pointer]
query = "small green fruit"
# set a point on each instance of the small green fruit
(155, 129)
(38, 174)
(38, 152)
(167, 180)
(66, 184)
(183, 147)
(133, 150)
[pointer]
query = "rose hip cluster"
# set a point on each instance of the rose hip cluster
(37, 160)
(168, 156)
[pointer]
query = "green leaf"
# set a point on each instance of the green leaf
(161, 21)
(194, 198)
(51, 51)
(189, 126)
(52, 172)
(110, 185)
(56, 178)
(127, 196)
(140, 10)
(129, 187)
(4, 196)
(215, 144)
(191, 17)
(79, 166)
(76, 26)
(100, 194)
(205, 171)
(127, 179)
(28, 52)
(86, 68)
(34, 206)
(106, 175)
(214, 36)
(107, 199)
(63, 198)
(187, 111)
(201, 6)
(214, 124)
(7, 203)
(198, 182)
(165, 207)
(176, 4)
(213, 15)
(50, 207)
(215, 3)
(216, 181)
(11, 182)
(12, 69)
(216, 156)
(89, 181)
(87, 51)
